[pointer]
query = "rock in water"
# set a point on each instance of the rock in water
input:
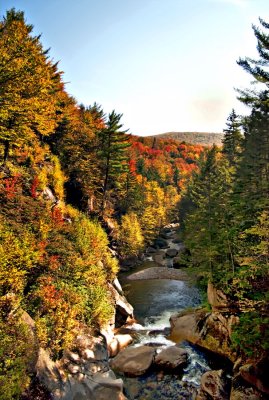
(133, 361)
(171, 358)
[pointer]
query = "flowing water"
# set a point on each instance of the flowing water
(154, 301)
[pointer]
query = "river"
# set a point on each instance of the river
(154, 301)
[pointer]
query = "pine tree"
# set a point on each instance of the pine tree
(113, 144)
(233, 138)
(207, 233)
(257, 68)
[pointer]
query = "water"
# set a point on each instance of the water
(154, 301)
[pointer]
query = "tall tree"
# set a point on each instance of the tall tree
(232, 141)
(28, 83)
(113, 145)
(257, 68)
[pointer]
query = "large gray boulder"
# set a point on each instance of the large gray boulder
(171, 358)
(133, 361)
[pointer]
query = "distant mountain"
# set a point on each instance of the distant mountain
(204, 138)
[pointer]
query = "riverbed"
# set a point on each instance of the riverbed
(154, 301)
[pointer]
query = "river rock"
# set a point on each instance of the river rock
(133, 361)
(211, 331)
(184, 327)
(171, 252)
(161, 243)
(171, 358)
(158, 258)
(150, 250)
(213, 386)
(119, 342)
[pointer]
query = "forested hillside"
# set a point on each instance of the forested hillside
(226, 209)
(70, 175)
(202, 138)
(79, 193)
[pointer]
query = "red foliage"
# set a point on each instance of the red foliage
(33, 188)
(10, 186)
(132, 167)
(57, 216)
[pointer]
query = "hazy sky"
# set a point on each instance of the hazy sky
(167, 65)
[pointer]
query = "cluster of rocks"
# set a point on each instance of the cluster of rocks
(136, 361)
(212, 331)
(83, 372)
(165, 250)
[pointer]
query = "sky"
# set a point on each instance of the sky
(166, 65)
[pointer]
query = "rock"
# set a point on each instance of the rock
(151, 250)
(159, 273)
(133, 361)
(161, 243)
(184, 327)
(256, 375)
(245, 393)
(122, 306)
(89, 378)
(130, 262)
(171, 358)
(171, 252)
(117, 286)
(208, 330)
(213, 386)
(158, 258)
(119, 342)
(217, 299)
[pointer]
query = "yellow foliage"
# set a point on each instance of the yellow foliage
(131, 235)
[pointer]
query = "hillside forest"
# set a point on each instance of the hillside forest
(79, 194)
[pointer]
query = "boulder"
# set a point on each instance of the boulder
(81, 374)
(158, 258)
(133, 361)
(211, 331)
(184, 327)
(161, 243)
(171, 252)
(122, 306)
(213, 386)
(119, 342)
(171, 358)
(256, 375)
(130, 262)
(150, 250)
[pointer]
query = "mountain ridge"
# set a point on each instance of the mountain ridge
(204, 138)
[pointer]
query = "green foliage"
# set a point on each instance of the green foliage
(16, 353)
(252, 334)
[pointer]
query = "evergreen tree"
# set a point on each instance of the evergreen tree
(207, 233)
(113, 144)
(233, 138)
(257, 68)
